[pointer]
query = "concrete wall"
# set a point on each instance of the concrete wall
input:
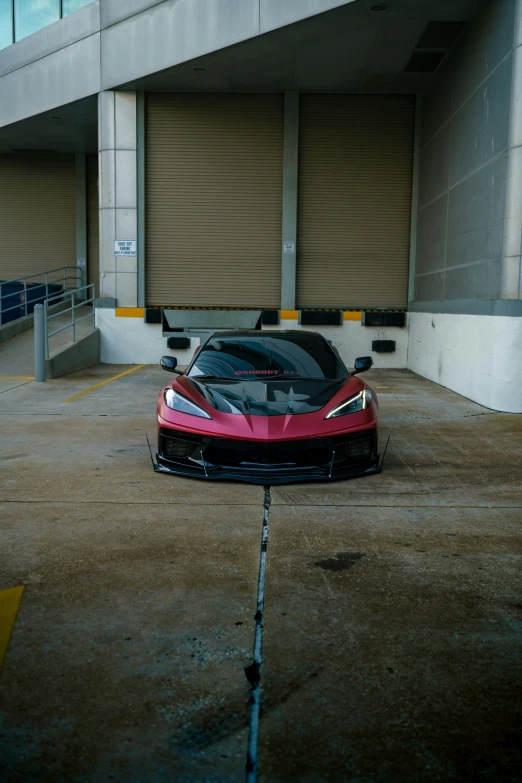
(466, 328)
(101, 46)
(132, 341)
(79, 355)
(55, 66)
(468, 151)
(477, 356)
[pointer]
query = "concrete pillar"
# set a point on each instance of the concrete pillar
(414, 198)
(117, 145)
(140, 106)
(40, 343)
(81, 222)
(512, 245)
(290, 181)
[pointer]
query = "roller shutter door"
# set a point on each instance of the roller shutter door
(93, 223)
(214, 170)
(355, 179)
(37, 214)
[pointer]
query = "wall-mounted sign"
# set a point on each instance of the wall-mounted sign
(288, 247)
(125, 247)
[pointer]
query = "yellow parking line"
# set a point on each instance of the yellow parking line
(9, 603)
(17, 377)
(104, 383)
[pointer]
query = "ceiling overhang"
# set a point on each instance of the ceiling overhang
(349, 49)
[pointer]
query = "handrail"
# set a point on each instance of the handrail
(62, 279)
(48, 272)
(74, 306)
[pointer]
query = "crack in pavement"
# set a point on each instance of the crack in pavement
(313, 504)
(253, 672)
(12, 388)
(127, 503)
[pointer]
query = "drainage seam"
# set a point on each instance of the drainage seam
(253, 672)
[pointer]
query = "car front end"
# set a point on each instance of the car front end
(268, 431)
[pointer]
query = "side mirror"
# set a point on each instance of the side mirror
(362, 364)
(169, 363)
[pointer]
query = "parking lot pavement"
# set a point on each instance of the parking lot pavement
(394, 605)
(392, 609)
(127, 657)
(392, 645)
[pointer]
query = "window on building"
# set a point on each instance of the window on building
(29, 16)
(6, 23)
(69, 6)
(32, 15)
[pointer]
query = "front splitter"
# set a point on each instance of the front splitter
(272, 476)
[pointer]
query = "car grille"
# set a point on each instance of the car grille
(297, 453)
(344, 449)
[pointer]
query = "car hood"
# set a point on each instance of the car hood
(266, 397)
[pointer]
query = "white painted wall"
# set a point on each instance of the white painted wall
(131, 341)
(353, 340)
(478, 356)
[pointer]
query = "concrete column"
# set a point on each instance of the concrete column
(117, 145)
(290, 177)
(512, 244)
(81, 221)
(140, 105)
(40, 343)
(414, 198)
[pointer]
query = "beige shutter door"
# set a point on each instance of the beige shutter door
(214, 172)
(93, 223)
(355, 180)
(37, 214)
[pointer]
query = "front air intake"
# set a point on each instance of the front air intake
(175, 444)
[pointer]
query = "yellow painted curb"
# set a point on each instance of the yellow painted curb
(9, 603)
(352, 315)
(289, 315)
(17, 377)
(130, 312)
(104, 383)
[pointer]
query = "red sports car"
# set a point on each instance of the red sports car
(268, 407)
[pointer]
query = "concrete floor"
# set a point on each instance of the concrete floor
(393, 609)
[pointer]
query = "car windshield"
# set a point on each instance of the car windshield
(296, 356)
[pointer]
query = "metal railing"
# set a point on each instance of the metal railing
(77, 300)
(62, 276)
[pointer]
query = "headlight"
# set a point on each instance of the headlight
(178, 402)
(359, 402)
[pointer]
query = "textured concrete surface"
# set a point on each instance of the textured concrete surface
(75, 356)
(17, 353)
(127, 657)
(392, 626)
(392, 645)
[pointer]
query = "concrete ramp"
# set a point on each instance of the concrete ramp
(17, 351)
(79, 355)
